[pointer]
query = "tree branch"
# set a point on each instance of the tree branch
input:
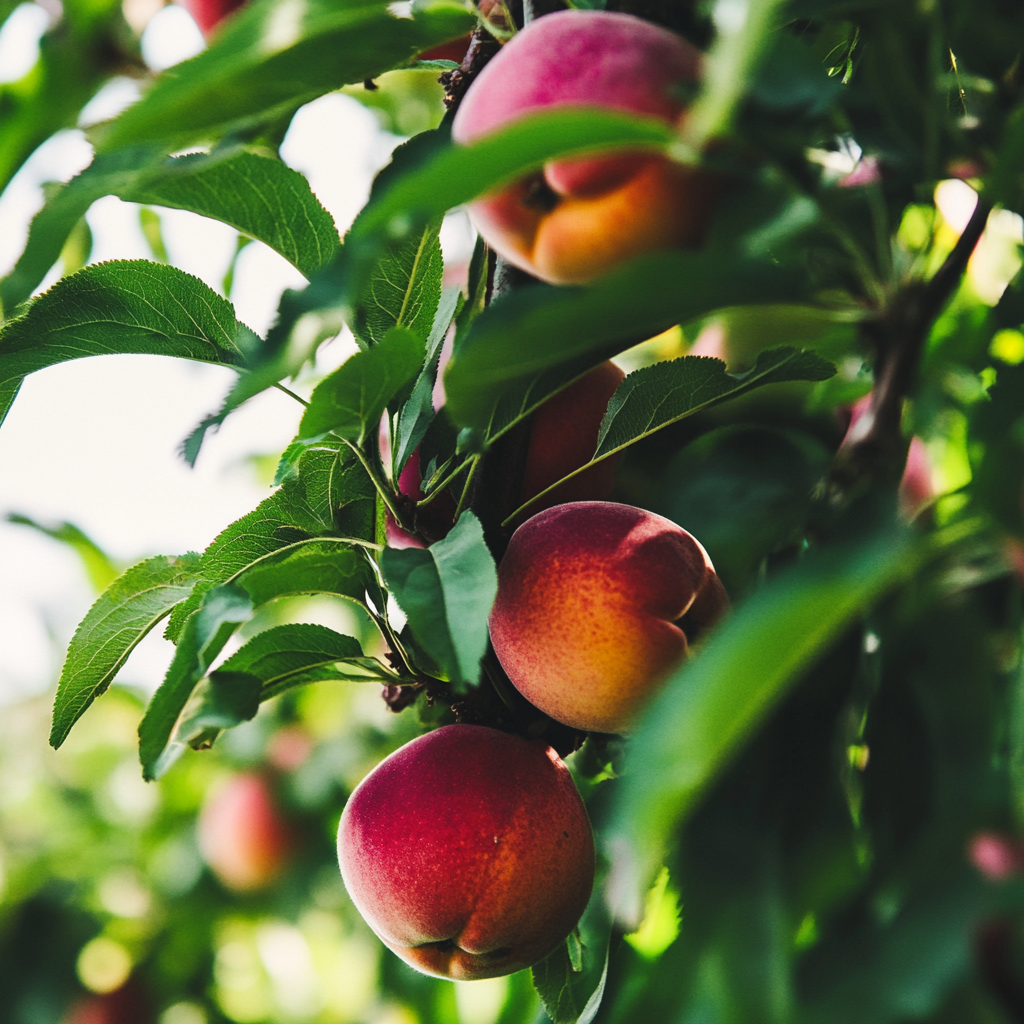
(876, 449)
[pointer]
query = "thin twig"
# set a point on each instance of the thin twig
(291, 394)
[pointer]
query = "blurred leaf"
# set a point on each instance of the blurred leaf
(997, 436)
(330, 495)
(457, 174)
(715, 699)
(99, 566)
(572, 993)
(1005, 182)
(129, 608)
(403, 290)
(540, 327)
(446, 592)
(351, 401)
(262, 198)
(744, 29)
(900, 969)
(123, 306)
(744, 491)
(222, 610)
(415, 417)
(293, 655)
(268, 60)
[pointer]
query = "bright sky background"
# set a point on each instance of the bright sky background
(95, 441)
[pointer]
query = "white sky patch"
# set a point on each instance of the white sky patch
(170, 37)
(19, 41)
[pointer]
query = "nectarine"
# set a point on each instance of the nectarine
(577, 218)
(468, 851)
(590, 595)
(242, 836)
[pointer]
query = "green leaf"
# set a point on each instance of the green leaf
(710, 704)
(262, 198)
(416, 415)
(446, 592)
(403, 290)
(126, 611)
(269, 59)
(572, 992)
(322, 565)
(98, 565)
(207, 630)
(743, 33)
(330, 494)
(657, 396)
(351, 401)
(221, 701)
(293, 655)
(128, 306)
(537, 328)
(457, 174)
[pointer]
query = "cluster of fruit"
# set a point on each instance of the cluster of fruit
(469, 850)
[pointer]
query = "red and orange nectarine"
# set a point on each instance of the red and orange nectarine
(468, 851)
(577, 218)
(242, 835)
(589, 599)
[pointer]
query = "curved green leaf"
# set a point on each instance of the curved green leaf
(126, 306)
(271, 58)
(123, 614)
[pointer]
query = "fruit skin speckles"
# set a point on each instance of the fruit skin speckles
(589, 596)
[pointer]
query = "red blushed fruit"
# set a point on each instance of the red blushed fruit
(578, 218)
(589, 597)
(242, 836)
(469, 852)
(208, 14)
(564, 437)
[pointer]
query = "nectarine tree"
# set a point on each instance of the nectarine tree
(805, 765)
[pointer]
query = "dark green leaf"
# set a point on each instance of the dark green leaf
(351, 401)
(317, 566)
(446, 592)
(220, 701)
(712, 702)
(207, 630)
(655, 396)
(124, 306)
(127, 610)
(530, 331)
(293, 655)
(262, 198)
(403, 290)
(268, 60)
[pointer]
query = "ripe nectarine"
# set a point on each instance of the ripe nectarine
(577, 218)
(242, 836)
(469, 852)
(589, 599)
